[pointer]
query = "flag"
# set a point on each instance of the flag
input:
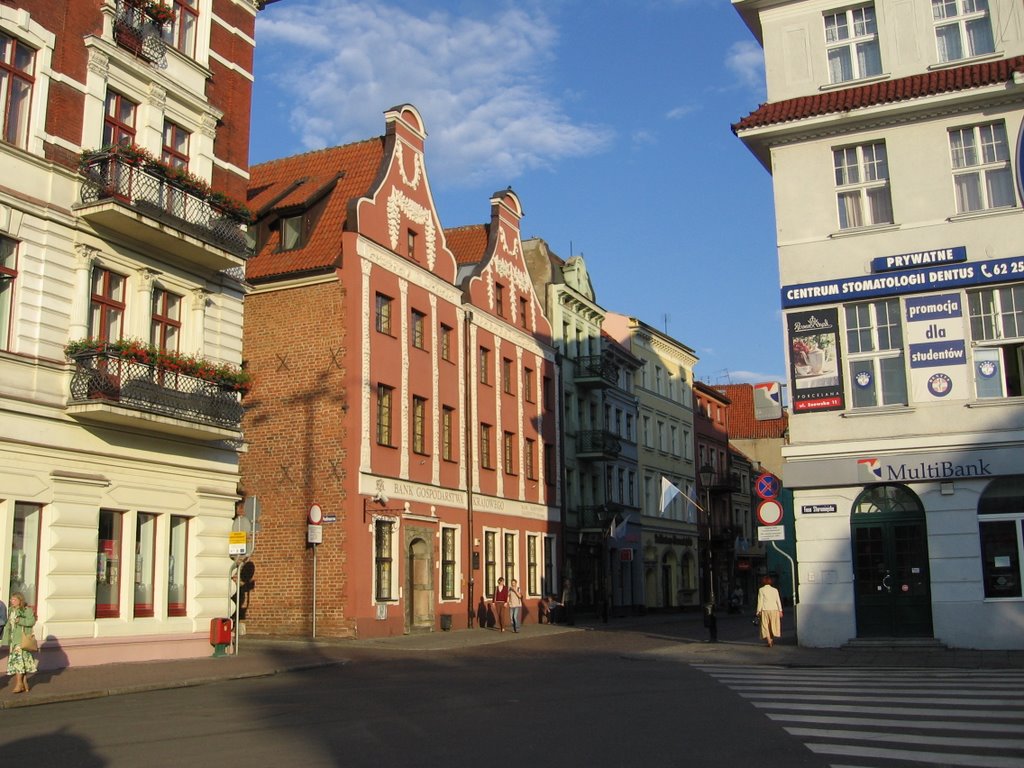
(691, 505)
(618, 531)
(668, 493)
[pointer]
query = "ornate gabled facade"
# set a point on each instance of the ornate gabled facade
(125, 150)
(419, 370)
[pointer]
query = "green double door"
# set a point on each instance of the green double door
(890, 562)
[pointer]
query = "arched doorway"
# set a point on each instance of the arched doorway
(892, 585)
(419, 587)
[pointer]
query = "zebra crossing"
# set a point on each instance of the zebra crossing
(882, 718)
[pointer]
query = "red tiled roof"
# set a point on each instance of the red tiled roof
(742, 424)
(468, 244)
(884, 92)
(356, 166)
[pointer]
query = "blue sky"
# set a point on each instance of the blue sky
(609, 118)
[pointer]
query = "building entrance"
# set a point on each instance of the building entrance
(892, 586)
(420, 592)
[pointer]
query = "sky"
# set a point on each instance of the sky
(610, 119)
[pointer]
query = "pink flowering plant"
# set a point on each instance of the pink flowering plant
(225, 376)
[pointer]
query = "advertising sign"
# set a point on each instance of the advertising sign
(938, 351)
(767, 401)
(814, 352)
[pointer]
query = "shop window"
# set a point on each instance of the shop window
(448, 563)
(851, 38)
(25, 550)
(181, 35)
(106, 318)
(17, 78)
(982, 177)
(383, 571)
(1001, 531)
(997, 333)
(510, 557)
(108, 565)
(874, 338)
(8, 276)
(165, 327)
(490, 562)
(532, 565)
(962, 29)
(145, 563)
(177, 559)
(862, 185)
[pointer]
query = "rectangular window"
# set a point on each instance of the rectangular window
(383, 532)
(446, 342)
(549, 463)
(1001, 545)
(181, 35)
(528, 384)
(17, 76)
(447, 432)
(529, 449)
(291, 233)
(8, 276)
(175, 149)
(384, 394)
(874, 338)
(25, 550)
(862, 185)
(508, 453)
(410, 244)
(506, 376)
(448, 575)
(145, 563)
(490, 562)
(383, 314)
(417, 326)
(166, 320)
(499, 299)
(549, 565)
(485, 365)
(485, 446)
(997, 336)
(419, 425)
(981, 168)
(118, 120)
(108, 565)
(523, 308)
(177, 559)
(851, 39)
(510, 557)
(962, 29)
(107, 305)
(532, 565)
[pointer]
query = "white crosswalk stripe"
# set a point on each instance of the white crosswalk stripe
(883, 718)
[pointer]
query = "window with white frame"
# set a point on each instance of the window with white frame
(177, 561)
(181, 35)
(447, 432)
(981, 167)
(8, 276)
(1001, 533)
(532, 564)
(962, 29)
(145, 563)
(862, 185)
(874, 343)
(17, 77)
(851, 40)
(108, 565)
(510, 557)
(384, 532)
(490, 562)
(997, 336)
(449, 562)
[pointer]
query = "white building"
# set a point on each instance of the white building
(893, 135)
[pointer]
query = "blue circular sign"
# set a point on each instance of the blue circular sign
(767, 486)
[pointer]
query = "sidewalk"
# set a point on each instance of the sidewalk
(683, 637)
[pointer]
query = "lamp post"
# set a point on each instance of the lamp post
(707, 475)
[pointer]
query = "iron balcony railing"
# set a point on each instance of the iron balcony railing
(111, 177)
(596, 368)
(597, 442)
(102, 376)
(136, 32)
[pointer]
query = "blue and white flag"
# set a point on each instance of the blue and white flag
(668, 493)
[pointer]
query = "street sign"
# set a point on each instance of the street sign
(237, 542)
(767, 486)
(771, 533)
(769, 512)
(316, 515)
(314, 534)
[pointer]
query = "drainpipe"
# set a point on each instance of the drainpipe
(468, 440)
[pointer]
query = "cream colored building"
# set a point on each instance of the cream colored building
(893, 135)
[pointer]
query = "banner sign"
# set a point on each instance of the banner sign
(910, 281)
(919, 259)
(815, 373)
(938, 349)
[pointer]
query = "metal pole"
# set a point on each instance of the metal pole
(796, 598)
(314, 591)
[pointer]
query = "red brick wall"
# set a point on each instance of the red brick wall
(231, 91)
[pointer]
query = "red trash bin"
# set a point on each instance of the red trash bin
(220, 631)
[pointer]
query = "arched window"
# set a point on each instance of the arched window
(887, 500)
(1001, 531)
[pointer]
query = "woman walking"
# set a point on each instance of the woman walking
(20, 662)
(769, 611)
(515, 604)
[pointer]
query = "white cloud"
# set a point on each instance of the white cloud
(681, 111)
(746, 60)
(476, 81)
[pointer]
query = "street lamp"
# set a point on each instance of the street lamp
(707, 476)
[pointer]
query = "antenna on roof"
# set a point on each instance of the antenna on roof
(667, 317)
(570, 249)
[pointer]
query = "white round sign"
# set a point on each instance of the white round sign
(316, 515)
(769, 512)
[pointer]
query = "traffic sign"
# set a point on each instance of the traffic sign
(769, 512)
(237, 541)
(771, 533)
(316, 515)
(314, 534)
(767, 486)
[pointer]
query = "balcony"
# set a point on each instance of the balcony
(135, 200)
(139, 34)
(111, 390)
(597, 444)
(595, 371)
(599, 516)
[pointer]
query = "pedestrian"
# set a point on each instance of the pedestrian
(568, 598)
(515, 604)
(769, 611)
(17, 630)
(501, 604)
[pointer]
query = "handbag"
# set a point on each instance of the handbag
(28, 641)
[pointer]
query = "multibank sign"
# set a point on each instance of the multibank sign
(944, 275)
(900, 468)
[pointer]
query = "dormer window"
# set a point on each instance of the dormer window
(291, 232)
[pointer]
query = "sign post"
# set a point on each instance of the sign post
(314, 536)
